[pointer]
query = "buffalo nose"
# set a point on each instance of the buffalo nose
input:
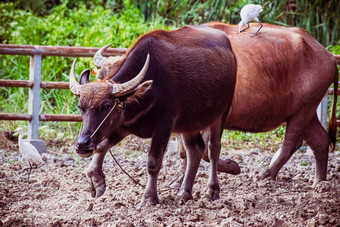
(83, 142)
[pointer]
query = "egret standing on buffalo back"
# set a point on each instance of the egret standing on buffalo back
(250, 13)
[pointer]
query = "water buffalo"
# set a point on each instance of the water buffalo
(282, 75)
(185, 84)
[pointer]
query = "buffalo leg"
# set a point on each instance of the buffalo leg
(292, 141)
(223, 165)
(154, 164)
(214, 149)
(317, 138)
(178, 182)
(95, 171)
(194, 146)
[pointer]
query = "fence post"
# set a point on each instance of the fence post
(34, 103)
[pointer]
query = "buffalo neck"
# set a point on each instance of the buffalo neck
(139, 116)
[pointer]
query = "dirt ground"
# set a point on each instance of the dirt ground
(57, 193)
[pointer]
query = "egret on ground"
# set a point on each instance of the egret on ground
(250, 13)
(29, 153)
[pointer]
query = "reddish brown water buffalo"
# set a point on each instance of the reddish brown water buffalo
(282, 75)
(185, 84)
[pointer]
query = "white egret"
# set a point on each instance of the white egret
(29, 153)
(250, 13)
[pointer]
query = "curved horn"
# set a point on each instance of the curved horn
(127, 87)
(98, 59)
(74, 85)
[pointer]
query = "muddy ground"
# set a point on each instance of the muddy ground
(57, 193)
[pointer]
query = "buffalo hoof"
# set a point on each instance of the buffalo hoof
(152, 200)
(97, 191)
(97, 183)
(265, 175)
(228, 166)
(213, 193)
(184, 194)
(100, 189)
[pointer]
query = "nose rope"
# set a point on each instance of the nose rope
(101, 123)
(136, 181)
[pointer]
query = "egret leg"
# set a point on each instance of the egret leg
(245, 28)
(29, 172)
(258, 31)
(32, 166)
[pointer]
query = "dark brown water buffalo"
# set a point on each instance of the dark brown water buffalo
(282, 76)
(185, 84)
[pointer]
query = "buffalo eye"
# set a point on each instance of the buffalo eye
(105, 107)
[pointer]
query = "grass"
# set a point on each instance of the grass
(245, 140)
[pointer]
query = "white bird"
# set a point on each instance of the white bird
(250, 13)
(29, 153)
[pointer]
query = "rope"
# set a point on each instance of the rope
(101, 123)
(135, 181)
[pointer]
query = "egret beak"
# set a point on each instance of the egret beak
(17, 132)
(239, 27)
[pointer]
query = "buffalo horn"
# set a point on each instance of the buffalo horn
(74, 85)
(127, 87)
(98, 58)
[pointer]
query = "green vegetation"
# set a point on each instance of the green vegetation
(95, 23)
(319, 17)
(63, 26)
(304, 163)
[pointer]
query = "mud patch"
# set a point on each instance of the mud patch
(57, 193)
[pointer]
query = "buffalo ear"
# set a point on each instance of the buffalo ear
(142, 88)
(139, 91)
(84, 77)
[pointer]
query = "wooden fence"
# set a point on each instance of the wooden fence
(35, 84)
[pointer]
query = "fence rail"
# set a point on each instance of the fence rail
(36, 52)
(35, 84)
(62, 51)
(42, 117)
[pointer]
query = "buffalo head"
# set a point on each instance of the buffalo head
(107, 66)
(102, 106)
